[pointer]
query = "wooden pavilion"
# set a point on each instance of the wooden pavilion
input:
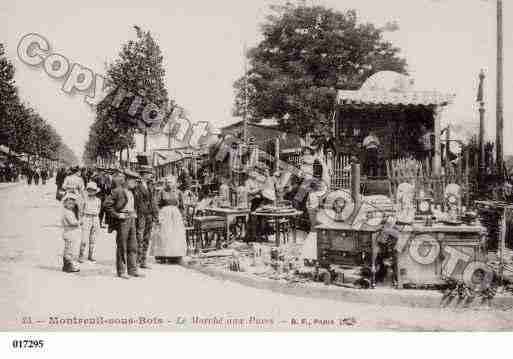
(387, 105)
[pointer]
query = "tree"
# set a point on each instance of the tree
(8, 99)
(22, 129)
(308, 52)
(138, 70)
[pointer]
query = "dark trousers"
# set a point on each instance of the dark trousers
(371, 162)
(144, 223)
(36, 180)
(255, 228)
(126, 247)
(102, 214)
(29, 180)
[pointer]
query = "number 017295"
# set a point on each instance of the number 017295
(27, 344)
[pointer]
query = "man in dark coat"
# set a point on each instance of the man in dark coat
(104, 183)
(44, 175)
(35, 176)
(120, 206)
(147, 213)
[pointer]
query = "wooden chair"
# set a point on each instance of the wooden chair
(188, 217)
(208, 227)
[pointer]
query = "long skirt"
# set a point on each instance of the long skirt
(169, 237)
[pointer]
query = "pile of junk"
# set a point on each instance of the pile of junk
(368, 241)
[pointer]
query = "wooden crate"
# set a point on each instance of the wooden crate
(343, 247)
(410, 272)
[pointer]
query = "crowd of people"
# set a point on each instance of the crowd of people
(33, 174)
(9, 172)
(148, 214)
(130, 203)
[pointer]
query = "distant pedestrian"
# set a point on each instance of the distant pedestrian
(30, 175)
(36, 176)
(71, 232)
(44, 175)
(90, 222)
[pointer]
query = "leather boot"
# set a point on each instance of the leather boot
(65, 265)
(73, 268)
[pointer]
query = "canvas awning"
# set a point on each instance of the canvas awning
(163, 157)
(409, 98)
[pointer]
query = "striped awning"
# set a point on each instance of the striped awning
(394, 98)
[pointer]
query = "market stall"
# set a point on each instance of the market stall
(410, 240)
(387, 119)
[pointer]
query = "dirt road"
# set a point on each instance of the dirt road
(36, 295)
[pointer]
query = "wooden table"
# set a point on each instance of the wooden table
(276, 216)
(335, 240)
(231, 215)
(467, 239)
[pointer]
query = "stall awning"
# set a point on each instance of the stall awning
(164, 157)
(398, 98)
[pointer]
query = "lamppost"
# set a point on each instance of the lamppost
(500, 88)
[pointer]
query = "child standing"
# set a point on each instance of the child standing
(71, 232)
(90, 221)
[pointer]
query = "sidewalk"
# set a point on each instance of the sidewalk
(5, 185)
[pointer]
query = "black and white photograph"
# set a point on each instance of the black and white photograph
(255, 166)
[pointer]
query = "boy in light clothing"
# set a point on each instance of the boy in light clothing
(90, 221)
(70, 233)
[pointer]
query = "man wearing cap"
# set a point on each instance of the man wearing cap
(147, 213)
(120, 206)
(104, 183)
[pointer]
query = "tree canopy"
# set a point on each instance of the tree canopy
(307, 53)
(138, 70)
(22, 129)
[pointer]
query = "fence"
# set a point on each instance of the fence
(339, 169)
(419, 174)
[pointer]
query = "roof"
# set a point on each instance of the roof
(263, 134)
(392, 88)
(407, 98)
(165, 155)
(252, 124)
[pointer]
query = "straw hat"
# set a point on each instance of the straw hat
(92, 187)
(70, 196)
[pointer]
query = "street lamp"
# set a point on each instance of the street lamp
(500, 89)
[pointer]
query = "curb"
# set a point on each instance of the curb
(380, 296)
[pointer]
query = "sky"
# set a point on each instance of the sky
(445, 42)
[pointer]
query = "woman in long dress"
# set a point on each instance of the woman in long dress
(170, 244)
